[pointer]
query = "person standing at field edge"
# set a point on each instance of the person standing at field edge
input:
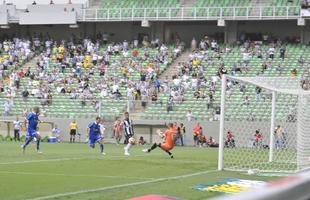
(17, 125)
(196, 134)
(73, 130)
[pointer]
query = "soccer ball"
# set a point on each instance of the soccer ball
(132, 140)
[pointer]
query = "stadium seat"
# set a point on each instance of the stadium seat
(262, 109)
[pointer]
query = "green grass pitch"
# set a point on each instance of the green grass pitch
(70, 171)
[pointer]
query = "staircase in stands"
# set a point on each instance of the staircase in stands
(186, 4)
(169, 72)
(256, 4)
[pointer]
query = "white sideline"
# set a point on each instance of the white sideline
(74, 175)
(122, 185)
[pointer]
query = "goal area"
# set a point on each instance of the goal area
(264, 124)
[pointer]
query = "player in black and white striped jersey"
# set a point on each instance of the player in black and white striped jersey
(129, 133)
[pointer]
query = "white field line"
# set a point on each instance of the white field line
(68, 159)
(98, 157)
(121, 186)
(44, 160)
(74, 175)
(174, 161)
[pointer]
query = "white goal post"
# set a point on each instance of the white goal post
(264, 124)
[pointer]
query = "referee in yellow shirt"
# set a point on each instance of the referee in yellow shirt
(73, 130)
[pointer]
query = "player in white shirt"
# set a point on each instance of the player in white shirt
(17, 126)
(127, 124)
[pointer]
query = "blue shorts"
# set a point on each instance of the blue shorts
(32, 134)
(93, 139)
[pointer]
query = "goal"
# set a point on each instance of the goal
(264, 124)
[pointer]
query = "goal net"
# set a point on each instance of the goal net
(264, 124)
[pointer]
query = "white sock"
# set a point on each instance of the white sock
(128, 147)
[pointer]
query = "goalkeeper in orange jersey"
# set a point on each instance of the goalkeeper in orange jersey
(169, 141)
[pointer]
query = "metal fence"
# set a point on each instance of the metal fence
(182, 13)
(190, 13)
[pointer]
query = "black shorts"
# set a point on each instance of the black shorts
(72, 132)
(16, 132)
(128, 136)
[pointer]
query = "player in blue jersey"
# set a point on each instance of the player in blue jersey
(32, 124)
(95, 134)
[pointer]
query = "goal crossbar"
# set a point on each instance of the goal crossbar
(290, 83)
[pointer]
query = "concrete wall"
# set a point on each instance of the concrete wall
(5, 12)
(47, 18)
(231, 32)
(279, 28)
(144, 128)
(117, 31)
(56, 31)
(167, 31)
(305, 32)
(243, 131)
(188, 30)
(22, 4)
(3, 17)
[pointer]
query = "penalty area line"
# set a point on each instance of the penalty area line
(121, 185)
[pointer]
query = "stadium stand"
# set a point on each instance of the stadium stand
(199, 91)
(139, 4)
(108, 10)
(195, 87)
(281, 7)
(221, 5)
(71, 76)
(200, 83)
(162, 61)
(237, 8)
(127, 6)
(52, 82)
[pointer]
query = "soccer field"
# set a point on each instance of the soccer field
(75, 171)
